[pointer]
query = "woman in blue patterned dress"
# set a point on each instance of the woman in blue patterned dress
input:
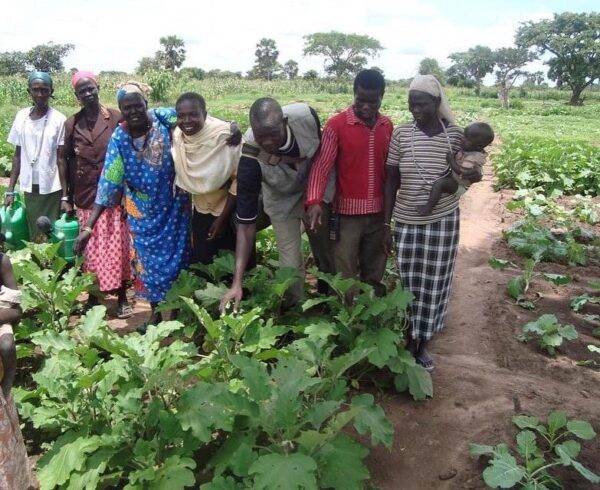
(140, 168)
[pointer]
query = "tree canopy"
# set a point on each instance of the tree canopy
(172, 55)
(509, 62)
(475, 64)
(266, 65)
(430, 66)
(48, 57)
(345, 54)
(290, 69)
(574, 40)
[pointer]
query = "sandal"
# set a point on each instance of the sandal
(425, 360)
(124, 311)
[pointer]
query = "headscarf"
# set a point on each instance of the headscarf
(133, 87)
(40, 75)
(78, 75)
(430, 85)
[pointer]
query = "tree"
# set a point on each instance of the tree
(266, 65)
(48, 57)
(172, 55)
(509, 62)
(290, 69)
(193, 72)
(146, 64)
(535, 78)
(457, 76)
(13, 63)
(345, 54)
(310, 75)
(574, 40)
(430, 66)
(475, 63)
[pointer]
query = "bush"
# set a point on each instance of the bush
(569, 166)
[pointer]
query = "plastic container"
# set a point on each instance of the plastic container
(66, 230)
(14, 224)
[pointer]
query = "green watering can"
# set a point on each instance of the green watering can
(64, 230)
(14, 224)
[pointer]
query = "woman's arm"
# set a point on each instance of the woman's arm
(392, 184)
(8, 351)
(15, 171)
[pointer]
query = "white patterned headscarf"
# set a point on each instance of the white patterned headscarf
(431, 85)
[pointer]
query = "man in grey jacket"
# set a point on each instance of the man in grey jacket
(276, 159)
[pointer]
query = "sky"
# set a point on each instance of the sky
(114, 35)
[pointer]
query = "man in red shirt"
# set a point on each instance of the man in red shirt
(355, 142)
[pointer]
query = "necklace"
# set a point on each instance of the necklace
(420, 169)
(40, 142)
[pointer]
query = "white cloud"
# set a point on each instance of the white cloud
(112, 34)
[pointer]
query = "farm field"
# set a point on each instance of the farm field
(126, 409)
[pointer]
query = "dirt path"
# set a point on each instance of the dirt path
(483, 373)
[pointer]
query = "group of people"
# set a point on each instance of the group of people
(157, 189)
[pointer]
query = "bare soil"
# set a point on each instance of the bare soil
(484, 374)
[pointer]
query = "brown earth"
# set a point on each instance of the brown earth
(484, 375)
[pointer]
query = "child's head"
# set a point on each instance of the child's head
(191, 113)
(477, 136)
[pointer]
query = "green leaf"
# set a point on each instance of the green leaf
(587, 474)
(203, 317)
(312, 302)
(255, 376)
(211, 294)
(235, 454)
(278, 471)
(321, 411)
(499, 264)
(66, 456)
(221, 483)
(503, 471)
(515, 287)
(203, 409)
(526, 422)
(51, 340)
(568, 332)
(341, 464)
(526, 444)
(567, 451)
(579, 302)
(420, 384)
(371, 418)
(581, 429)
(558, 279)
(480, 450)
(557, 420)
(174, 474)
(382, 342)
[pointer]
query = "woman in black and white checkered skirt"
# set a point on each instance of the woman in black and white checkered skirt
(426, 245)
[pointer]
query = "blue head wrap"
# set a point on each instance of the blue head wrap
(40, 75)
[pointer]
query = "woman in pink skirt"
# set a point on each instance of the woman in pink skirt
(87, 133)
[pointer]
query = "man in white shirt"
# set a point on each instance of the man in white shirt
(38, 163)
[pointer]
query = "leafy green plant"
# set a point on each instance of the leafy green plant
(540, 448)
(532, 240)
(49, 286)
(549, 333)
(569, 166)
(578, 302)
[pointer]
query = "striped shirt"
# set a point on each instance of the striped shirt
(416, 178)
(358, 153)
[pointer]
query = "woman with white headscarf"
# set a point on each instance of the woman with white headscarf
(426, 245)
